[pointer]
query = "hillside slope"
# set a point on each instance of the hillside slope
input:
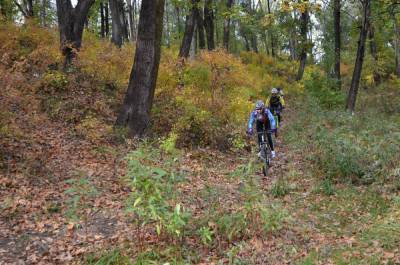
(73, 190)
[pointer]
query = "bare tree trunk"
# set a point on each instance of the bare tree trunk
(227, 25)
(304, 49)
(139, 97)
(355, 81)
(271, 34)
(26, 8)
(397, 45)
(71, 22)
(374, 51)
(130, 18)
(118, 22)
(337, 29)
(189, 31)
(167, 30)
(102, 21)
(200, 28)
(43, 14)
(107, 19)
(209, 23)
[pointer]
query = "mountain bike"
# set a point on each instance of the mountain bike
(265, 151)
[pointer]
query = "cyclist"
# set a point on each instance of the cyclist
(276, 104)
(264, 121)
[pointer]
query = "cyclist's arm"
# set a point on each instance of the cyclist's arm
(251, 121)
(282, 102)
(271, 119)
(267, 102)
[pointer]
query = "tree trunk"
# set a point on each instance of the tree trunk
(26, 8)
(397, 45)
(254, 43)
(189, 31)
(227, 25)
(246, 41)
(271, 34)
(374, 51)
(200, 28)
(355, 81)
(102, 21)
(107, 19)
(71, 22)
(209, 23)
(138, 100)
(304, 46)
(117, 15)
(337, 29)
(43, 13)
(167, 29)
(130, 17)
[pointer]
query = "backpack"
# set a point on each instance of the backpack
(275, 102)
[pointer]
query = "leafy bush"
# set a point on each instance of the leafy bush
(153, 199)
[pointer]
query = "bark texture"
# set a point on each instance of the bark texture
(135, 112)
(118, 22)
(304, 44)
(209, 23)
(355, 81)
(227, 25)
(71, 22)
(189, 31)
(337, 29)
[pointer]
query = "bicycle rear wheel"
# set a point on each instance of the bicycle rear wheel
(267, 161)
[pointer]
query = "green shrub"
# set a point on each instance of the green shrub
(280, 188)
(54, 81)
(153, 197)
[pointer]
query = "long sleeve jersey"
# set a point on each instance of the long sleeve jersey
(267, 113)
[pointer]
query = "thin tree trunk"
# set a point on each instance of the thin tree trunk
(271, 34)
(227, 25)
(397, 45)
(102, 21)
(355, 81)
(71, 23)
(304, 49)
(167, 30)
(337, 29)
(246, 41)
(138, 101)
(200, 28)
(43, 14)
(107, 19)
(189, 31)
(130, 17)
(374, 51)
(209, 23)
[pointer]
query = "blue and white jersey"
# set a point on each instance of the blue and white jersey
(267, 113)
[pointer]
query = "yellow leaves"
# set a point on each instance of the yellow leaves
(268, 20)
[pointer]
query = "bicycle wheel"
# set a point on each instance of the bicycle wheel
(266, 161)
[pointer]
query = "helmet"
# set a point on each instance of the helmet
(274, 91)
(259, 104)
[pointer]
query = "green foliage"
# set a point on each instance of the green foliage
(153, 198)
(323, 89)
(280, 188)
(206, 235)
(113, 257)
(54, 81)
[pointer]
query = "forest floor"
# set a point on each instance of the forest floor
(64, 199)
(37, 227)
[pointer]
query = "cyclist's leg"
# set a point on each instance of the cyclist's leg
(270, 142)
(260, 128)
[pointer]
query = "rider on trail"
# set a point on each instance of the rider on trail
(264, 121)
(276, 103)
